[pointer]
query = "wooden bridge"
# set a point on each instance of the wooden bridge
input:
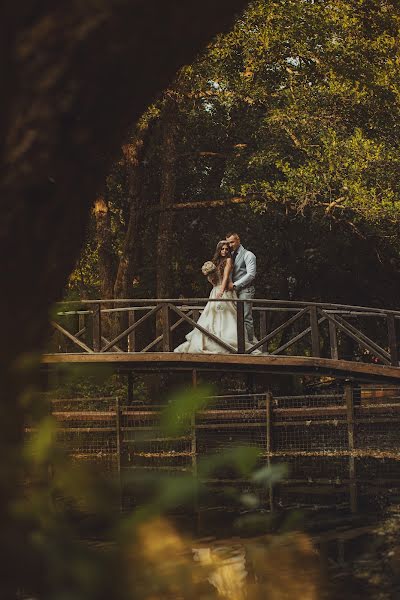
(293, 337)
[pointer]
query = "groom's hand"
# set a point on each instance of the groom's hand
(230, 286)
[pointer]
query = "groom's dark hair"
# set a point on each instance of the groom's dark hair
(228, 235)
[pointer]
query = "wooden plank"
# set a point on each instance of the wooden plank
(392, 336)
(96, 328)
(349, 399)
(333, 340)
(132, 327)
(106, 341)
(81, 321)
(162, 454)
(377, 349)
(375, 420)
(204, 331)
(359, 337)
(264, 328)
(278, 330)
(297, 338)
(310, 423)
(85, 429)
(315, 341)
(132, 334)
(229, 425)
(261, 363)
(152, 344)
(159, 339)
(282, 304)
(81, 331)
(143, 440)
(243, 413)
(312, 411)
(241, 339)
(166, 325)
(377, 407)
(71, 337)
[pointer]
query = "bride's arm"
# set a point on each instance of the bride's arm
(225, 278)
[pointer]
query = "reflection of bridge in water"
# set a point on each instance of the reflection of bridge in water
(294, 337)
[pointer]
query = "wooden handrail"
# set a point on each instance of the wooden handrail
(313, 336)
(263, 302)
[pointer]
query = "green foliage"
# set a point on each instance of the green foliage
(87, 381)
(178, 416)
(66, 502)
(298, 110)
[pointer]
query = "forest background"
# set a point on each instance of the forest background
(286, 130)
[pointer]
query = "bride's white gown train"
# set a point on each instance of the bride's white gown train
(219, 318)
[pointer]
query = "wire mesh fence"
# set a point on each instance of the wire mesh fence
(336, 446)
(356, 421)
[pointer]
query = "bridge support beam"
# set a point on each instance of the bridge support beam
(349, 399)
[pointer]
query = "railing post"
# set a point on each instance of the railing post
(263, 328)
(166, 328)
(118, 445)
(333, 341)
(81, 322)
(269, 442)
(392, 337)
(196, 314)
(96, 327)
(240, 327)
(349, 399)
(132, 334)
(118, 432)
(314, 331)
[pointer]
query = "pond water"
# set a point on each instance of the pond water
(316, 516)
(316, 533)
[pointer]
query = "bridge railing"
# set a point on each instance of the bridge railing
(283, 327)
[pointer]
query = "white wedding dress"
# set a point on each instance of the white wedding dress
(220, 319)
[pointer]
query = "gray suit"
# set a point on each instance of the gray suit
(244, 272)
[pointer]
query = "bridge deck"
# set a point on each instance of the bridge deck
(231, 362)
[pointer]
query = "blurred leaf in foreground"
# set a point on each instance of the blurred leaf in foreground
(177, 416)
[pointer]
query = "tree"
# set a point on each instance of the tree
(75, 78)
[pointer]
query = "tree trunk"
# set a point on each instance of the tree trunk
(167, 196)
(75, 76)
(104, 247)
(130, 252)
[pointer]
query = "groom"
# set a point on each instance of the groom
(244, 272)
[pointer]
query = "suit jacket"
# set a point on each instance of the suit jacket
(244, 269)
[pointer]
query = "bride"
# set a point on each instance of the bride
(219, 318)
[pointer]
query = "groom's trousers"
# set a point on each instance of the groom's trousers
(248, 294)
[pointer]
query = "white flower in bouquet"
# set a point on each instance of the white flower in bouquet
(208, 268)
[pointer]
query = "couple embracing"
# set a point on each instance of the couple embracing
(231, 273)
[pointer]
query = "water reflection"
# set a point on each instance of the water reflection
(327, 535)
(327, 529)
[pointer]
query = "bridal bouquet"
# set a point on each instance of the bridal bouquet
(208, 268)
